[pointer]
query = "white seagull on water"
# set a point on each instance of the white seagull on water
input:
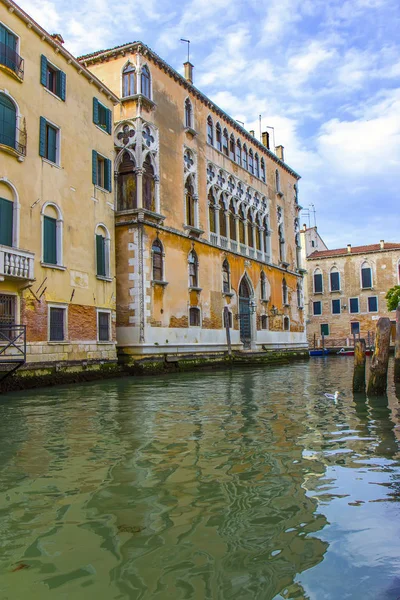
(333, 397)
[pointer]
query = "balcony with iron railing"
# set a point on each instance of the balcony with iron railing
(15, 263)
(14, 144)
(11, 62)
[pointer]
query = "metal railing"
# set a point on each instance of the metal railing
(12, 348)
(9, 58)
(16, 141)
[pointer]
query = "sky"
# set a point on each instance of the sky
(325, 74)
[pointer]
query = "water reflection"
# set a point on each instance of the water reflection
(242, 484)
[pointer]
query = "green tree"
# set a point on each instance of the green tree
(393, 297)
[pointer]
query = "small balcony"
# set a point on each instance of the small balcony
(14, 144)
(17, 264)
(11, 61)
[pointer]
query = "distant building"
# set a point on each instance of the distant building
(346, 288)
(207, 217)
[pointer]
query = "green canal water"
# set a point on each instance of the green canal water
(245, 484)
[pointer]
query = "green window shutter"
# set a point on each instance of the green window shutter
(6, 222)
(42, 137)
(8, 121)
(94, 167)
(51, 144)
(109, 120)
(101, 255)
(61, 84)
(43, 70)
(95, 111)
(107, 175)
(2, 34)
(50, 240)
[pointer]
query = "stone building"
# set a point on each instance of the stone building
(346, 288)
(56, 199)
(206, 218)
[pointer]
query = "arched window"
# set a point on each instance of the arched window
(52, 233)
(366, 276)
(258, 233)
(251, 163)
(263, 178)
(218, 137)
(193, 270)
(256, 166)
(298, 250)
(211, 212)
(264, 322)
(267, 240)
(277, 182)
(222, 218)
(128, 81)
(286, 324)
(225, 143)
(145, 82)
(334, 278)
(242, 235)
(126, 188)
(102, 252)
(226, 277)
(9, 214)
(250, 236)
(285, 298)
(263, 286)
(232, 221)
(149, 187)
(8, 122)
(188, 114)
(281, 243)
(210, 131)
(238, 152)
(190, 203)
(318, 282)
(157, 254)
(299, 295)
(244, 157)
(232, 147)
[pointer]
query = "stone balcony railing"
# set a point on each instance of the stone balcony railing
(16, 263)
(227, 244)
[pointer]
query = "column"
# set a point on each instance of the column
(139, 187)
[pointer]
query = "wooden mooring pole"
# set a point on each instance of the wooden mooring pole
(397, 348)
(377, 383)
(227, 329)
(359, 366)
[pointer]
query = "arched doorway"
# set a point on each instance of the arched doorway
(245, 294)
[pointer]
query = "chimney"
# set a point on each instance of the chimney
(349, 248)
(279, 152)
(252, 132)
(304, 227)
(265, 139)
(188, 71)
(58, 37)
(382, 243)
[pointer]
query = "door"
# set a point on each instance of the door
(244, 312)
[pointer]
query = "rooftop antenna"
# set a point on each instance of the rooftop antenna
(188, 47)
(240, 122)
(312, 209)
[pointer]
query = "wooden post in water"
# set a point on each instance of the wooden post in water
(397, 347)
(227, 329)
(377, 383)
(323, 343)
(359, 366)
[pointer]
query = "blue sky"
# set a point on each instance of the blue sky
(324, 73)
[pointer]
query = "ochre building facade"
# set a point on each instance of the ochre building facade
(206, 221)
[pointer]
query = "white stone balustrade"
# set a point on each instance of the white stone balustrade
(16, 263)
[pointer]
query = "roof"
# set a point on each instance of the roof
(354, 250)
(59, 48)
(140, 47)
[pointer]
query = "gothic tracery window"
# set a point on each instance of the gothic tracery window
(157, 258)
(188, 113)
(149, 195)
(126, 184)
(190, 203)
(128, 81)
(145, 82)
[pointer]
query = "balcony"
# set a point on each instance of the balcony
(11, 61)
(15, 144)
(18, 264)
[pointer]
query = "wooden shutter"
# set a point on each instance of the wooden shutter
(43, 70)
(61, 84)
(107, 174)
(6, 222)
(8, 121)
(94, 167)
(51, 150)
(366, 277)
(95, 111)
(109, 120)
(42, 137)
(50, 240)
(101, 255)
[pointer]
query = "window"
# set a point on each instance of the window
(281, 243)
(277, 182)
(211, 212)
(188, 113)
(335, 280)
(128, 81)
(366, 276)
(250, 236)
(51, 235)
(244, 157)
(226, 277)
(227, 315)
(251, 163)
(52, 78)
(324, 329)
(194, 316)
(8, 122)
(103, 326)
(313, 244)
(267, 240)
(318, 283)
(355, 328)
(126, 194)
(210, 131)
(354, 305)
(157, 255)
(8, 51)
(6, 222)
(263, 285)
(242, 235)
(190, 204)
(263, 170)
(298, 250)
(149, 185)
(101, 171)
(49, 143)
(218, 136)
(145, 82)
(317, 308)
(57, 318)
(193, 270)
(299, 295)
(102, 116)
(238, 152)
(373, 304)
(264, 322)
(285, 298)
(256, 166)
(102, 252)
(7, 312)
(232, 221)
(336, 307)
(286, 324)
(222, 218)
(232, 147)
(225, 143)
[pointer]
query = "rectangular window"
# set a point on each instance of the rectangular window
(355, 328)
(102, 116)
(6, 222)
(49, 240)
(318, 283)
(49, 141)
(52, 78)
(335, 281)
(101, 171)
(366, 278)
(336, 308)
(354, 305)
(264, 322)
(373, 304)
(194, 317)
(101, 255)
(324, 329)
(57, 324)
(317, 308)
(103, 326)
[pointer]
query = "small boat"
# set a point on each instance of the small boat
(318, 352)
(344, 352)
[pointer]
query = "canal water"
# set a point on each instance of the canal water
(246, 484)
